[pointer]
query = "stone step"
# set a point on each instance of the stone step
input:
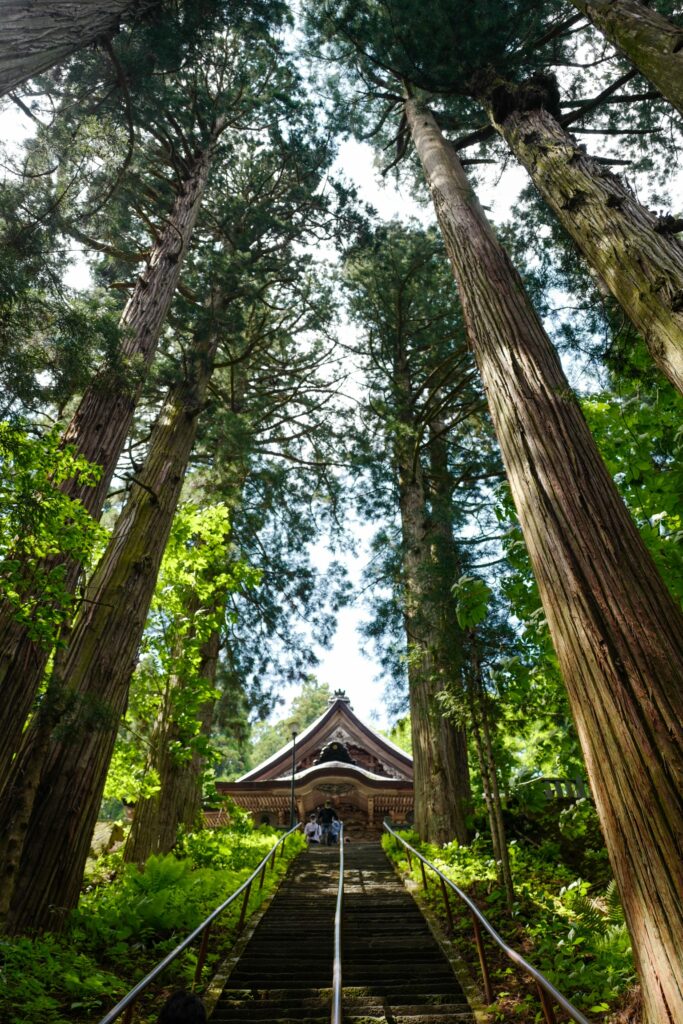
(393, 970)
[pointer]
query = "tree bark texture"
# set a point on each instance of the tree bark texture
(178, 801)
(37, 34)
(98, 430)
(641, 265)
(97, 667)
(617, 632)
(653, 43)
(439, 758)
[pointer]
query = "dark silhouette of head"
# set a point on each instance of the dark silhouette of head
(183, 1008)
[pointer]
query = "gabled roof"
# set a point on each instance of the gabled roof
(337, 718)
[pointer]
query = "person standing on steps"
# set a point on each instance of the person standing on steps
(325, 819)
(312, 830)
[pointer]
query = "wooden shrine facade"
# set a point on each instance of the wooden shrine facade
(337, 758)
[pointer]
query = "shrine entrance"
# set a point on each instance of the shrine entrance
(338, 758)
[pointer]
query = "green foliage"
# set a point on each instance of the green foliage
(122, 927)
(198, 572)
(638, 430)
(38, 522)
(579, 941)
(311, 701)
(473, 596)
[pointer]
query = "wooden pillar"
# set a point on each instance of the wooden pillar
(371, 810)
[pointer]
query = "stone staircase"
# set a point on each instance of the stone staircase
(394, 972)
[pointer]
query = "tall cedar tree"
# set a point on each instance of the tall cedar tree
(179, 154)
(95, 676)
(484, 60)
(617, 632)
(421, 407)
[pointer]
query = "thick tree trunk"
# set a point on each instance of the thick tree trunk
(653, 43)
(437, 755)
(617, 632)
(98, 431)
(97, 668)
(178, 801)
(641, 265)
(37, 34)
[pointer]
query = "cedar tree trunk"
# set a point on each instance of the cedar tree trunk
(98, 431)
(627, 245)
(653, 43)
(448, 640)
(617, 632)
(441, 779)
(36, 34)
(97, 667)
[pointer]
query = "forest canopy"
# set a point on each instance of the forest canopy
(236, 401)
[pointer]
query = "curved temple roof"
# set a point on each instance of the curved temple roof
(337, 723)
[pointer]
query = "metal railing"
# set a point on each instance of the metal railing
(336, 1006)
(547, 993)
(125, 1005)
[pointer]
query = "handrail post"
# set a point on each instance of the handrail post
(488, 991)
(243, 913)
(201, 959)
(410, 860)
(447, 905)
(546, 1005)
(262, 876)
(336, 1001)
(128, 1016)
(424, 876)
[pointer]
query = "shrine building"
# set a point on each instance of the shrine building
(338, 758)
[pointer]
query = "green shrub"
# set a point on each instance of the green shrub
(126, 923)
(577, 939)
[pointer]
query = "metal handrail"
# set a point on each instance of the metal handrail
(546, 990)
(336, 1007)
(126, 1004)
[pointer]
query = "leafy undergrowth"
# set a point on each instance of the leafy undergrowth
(128, 920)
(572, 933)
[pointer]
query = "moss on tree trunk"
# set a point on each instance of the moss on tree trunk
(653, 43)
(641, 265)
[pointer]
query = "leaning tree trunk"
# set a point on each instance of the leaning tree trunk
(441, 779)
(98, 431)
(617, 631)
(177, 802)
(37, 34)
(629, 247)
(97, 668)
(653, 43)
